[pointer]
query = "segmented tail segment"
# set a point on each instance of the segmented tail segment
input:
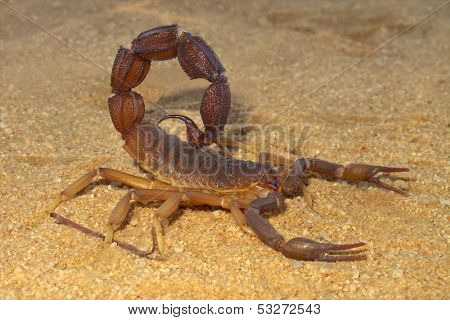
(197, 59)
(130, 68)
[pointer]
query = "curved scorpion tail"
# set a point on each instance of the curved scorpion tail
(197, 59)
(131, 66)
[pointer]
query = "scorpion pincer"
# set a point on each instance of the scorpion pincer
(186, 173)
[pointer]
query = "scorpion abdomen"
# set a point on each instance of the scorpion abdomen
(178, 163)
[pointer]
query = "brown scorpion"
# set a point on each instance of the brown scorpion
(188, 174)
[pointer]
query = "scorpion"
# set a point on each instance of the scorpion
(187, 173)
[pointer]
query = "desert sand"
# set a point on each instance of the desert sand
(391, 109)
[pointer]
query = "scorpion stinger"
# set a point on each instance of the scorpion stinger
(194, 135)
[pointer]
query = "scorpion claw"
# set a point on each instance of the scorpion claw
(379, 169)
(355, 172)
(391, 169)
(310, 250)
(387, 186)
(364, 172)
(354, 257)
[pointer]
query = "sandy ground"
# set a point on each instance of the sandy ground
(392, 109)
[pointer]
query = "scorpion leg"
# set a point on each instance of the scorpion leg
(296, 248)
(120, 212)
(64, 195)
(239, 217)
(89, 232)
(225, 202)
(118, 215)
(353, 172)
(162, 214)
(109, 174)
(172, 201)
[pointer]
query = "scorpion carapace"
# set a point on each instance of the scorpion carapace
(185, 173)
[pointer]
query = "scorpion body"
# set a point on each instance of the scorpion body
(178, 163)
(186, 173)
